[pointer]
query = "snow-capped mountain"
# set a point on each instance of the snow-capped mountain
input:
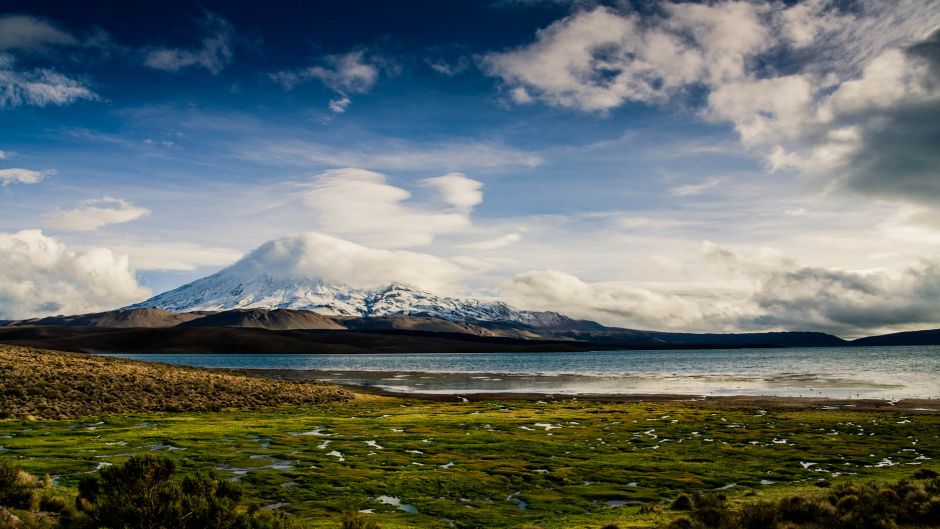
(269, 278)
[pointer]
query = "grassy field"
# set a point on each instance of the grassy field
(560, 464)
(42, 384)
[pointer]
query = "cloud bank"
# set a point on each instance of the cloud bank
(854, 104)
(39, 275)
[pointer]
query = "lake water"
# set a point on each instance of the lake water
(857, 372)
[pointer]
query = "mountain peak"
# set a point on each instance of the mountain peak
(288, 274)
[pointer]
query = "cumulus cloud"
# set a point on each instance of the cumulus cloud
(850, 96)
(363, 205)
(618, 303)
(96, 213)
(38, 86)
(337, 260)
(849, 303)
(39, 276)
(214, 54)
(756, 292)
(23, 32)
(348, 73)
(457, 190)
(18, 175)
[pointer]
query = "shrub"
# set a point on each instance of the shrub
(760, 515)
(145, 492)
(682, 503)
(682, 522)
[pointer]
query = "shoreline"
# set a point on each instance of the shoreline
(927, 406)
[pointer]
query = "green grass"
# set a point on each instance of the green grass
(473, 456)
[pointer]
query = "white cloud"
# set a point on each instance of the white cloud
(214, 54)
(362, 204)
(39, 86)
(766, 291)
(96, 213)
(695, 189)
(176, 256)
(339, 104)
(336, 260)
(3, 155)
(597, 60)
(348, 73)
(457, 190)
(849, 96)
(17, 175)
(40, 275)
(494, 244)
(23, 32)
(398, 155)
(618, 303)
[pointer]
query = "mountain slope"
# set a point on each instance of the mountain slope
(121, 318)
(274, 319)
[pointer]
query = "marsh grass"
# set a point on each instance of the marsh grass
(36, 383)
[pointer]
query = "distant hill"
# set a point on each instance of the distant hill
(777, 339)
(121, 318)
(926, 337)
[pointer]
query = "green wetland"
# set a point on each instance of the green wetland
(555, 464)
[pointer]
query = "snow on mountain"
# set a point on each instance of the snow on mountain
(273, 277)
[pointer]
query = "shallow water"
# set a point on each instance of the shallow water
(847, 372)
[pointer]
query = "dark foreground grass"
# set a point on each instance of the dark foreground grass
(36, 383)
(561, 464)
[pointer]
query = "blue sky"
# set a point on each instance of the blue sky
(698, 166)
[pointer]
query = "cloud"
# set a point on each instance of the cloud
(214, 54)
(494, 244)
(23, 32)
(695, 189)
(399, 155)
(177, 256)
(849, 303)
(94, 214)
(18, 175)
(735, 292)
(347, 73)
(598, 59)
(337, 260)
(457, 190)
(448, 68)
(362, 204)
(39, 86)
(614, 303)
(39, 276)
(850, 97)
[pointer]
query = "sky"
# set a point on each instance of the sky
(696, 166)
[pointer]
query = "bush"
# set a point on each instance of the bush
(682, 503)
(145, 492)
(760, 515)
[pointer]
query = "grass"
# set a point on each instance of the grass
(36, 383)
(573, 464)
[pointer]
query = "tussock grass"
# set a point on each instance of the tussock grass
(43, 384)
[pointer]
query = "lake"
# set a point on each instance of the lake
(846, 372)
